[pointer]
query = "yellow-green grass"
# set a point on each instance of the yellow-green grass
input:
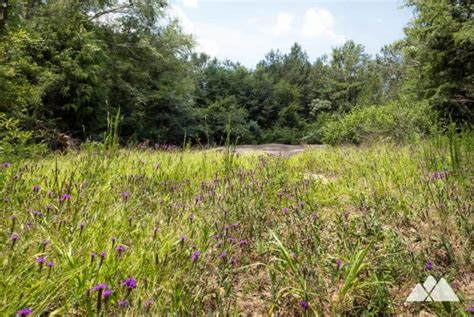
(347, 230)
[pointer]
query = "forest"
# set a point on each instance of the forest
(66, 66)
(137, 178)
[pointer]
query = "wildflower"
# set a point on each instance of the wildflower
(64, 197)
(123, 303)
(148, 303)
(429, 265)
(226, 227)
(195, 256)
(107, 293)
(113, 239)
(339, 262)
(100, 287)
(14, 237)
(470, 310)
(121, 249)
(103, 254)
(124, 195)
(36, 188)
(223, 255)
(130, 283)
(50, 264)
(7, 165)
(314, 217)
(24, 312)
(40, 260)
(191, 217)
(233, 260)
(182, 238)
(285, 211)
(81, 226)
(243, 243)
(304, 305)
(439, 175)
(37, 213)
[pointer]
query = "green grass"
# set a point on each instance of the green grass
(375, 208)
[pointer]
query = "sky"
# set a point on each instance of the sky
(245, 30)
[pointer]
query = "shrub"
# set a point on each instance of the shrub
(16, 142)
(398, 121)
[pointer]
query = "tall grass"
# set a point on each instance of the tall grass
(335, 231)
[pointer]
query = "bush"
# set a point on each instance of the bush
(15, 142)
(398, 121)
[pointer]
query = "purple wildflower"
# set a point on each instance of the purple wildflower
(50, 264)
(304, 304)
(339, 262)
(123, 303)
(130, 283)
(233, 260)
(103, 254)
(36, 188)
(93, 254)
(100, 286)
(40, 260)
(429, 265)
(223, 255)
(24, 312)
(6, 165)
(182, 238)
(285, 211)
(439, 175)
(470, 310)
(121, 249)
(37, 213)
(107, 293)
(243, 243)
(148, 303)
(195, 256)
(125, 195)
(14, 237)
(65, 197)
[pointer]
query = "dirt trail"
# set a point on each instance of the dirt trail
(273, 148)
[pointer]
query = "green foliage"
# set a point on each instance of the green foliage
(268, 234)
(16, 143)
(398, 121)
(440, 53)
(66, 64)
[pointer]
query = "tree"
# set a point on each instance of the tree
(440, 55)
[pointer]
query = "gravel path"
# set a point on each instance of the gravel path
(273, 148)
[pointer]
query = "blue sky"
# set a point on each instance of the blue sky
(246, 30)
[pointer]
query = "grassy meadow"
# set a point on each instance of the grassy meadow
(331, 231)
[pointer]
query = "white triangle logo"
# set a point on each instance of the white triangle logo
(432, 291)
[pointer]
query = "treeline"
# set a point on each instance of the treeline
(65, 65)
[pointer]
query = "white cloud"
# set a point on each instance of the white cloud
(177, 13)
(283, 23)
(190, 3)
(208, 46)
(320, 23)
